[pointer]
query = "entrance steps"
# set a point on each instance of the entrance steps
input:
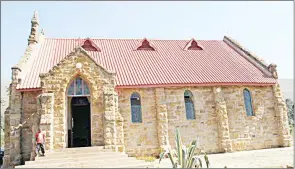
(85, 157)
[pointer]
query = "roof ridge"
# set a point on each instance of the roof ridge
(131, 39)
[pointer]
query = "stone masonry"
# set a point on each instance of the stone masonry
(101, 84)
(221, 123)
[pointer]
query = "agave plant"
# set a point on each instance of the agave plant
(184, 157)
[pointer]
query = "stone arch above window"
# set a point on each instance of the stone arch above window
(248, 102)
(136, 115)
(78, 87)
(189, 105)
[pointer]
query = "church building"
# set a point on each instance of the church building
(130, 95)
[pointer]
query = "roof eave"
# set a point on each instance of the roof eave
(194, 85)
(173, 85)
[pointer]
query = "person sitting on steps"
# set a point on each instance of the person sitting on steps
(40, 140)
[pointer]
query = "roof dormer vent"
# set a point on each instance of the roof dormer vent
(145, 45)
(193, 45)
(89, 45)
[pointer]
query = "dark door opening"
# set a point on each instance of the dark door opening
(80, 134)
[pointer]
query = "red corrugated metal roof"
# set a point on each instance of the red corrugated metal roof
(168, 65)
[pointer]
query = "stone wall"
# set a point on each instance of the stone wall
(251, 132)
(101, 85)
(13, 120)
(29, 107)
(221, 124)
(204, 127)
(243, 132)
(140, 139)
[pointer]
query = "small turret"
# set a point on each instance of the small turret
(33, 38)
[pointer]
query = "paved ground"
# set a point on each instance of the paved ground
(266, 158)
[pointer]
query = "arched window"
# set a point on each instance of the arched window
(248, 103)
(78, 88)
(136, 116)
(189, 105)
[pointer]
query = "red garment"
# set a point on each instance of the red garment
(40, 137)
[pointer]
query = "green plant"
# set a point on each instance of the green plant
(184, 157)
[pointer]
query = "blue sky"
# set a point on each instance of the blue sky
(265, 28)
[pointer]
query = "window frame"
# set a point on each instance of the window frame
(250, 101)
(137, 96)
(191, 100)
(84, 83)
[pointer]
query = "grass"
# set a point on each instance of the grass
(147, 158)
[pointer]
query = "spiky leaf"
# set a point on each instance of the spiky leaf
(175, 165)
(207, 160)
(162, 155)
(191, 152)
(179, 146)
(183, 165)
(193, 162)
(171, 159)
(200, 161)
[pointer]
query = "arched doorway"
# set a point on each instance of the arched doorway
(79, 114)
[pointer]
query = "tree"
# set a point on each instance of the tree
(290, 109)
(2, 101)
(1, 118)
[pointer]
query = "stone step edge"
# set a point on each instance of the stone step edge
(80, 154)
(82, 159)
(71, 151)
(133, 162)
(81, 149)
(123, 166)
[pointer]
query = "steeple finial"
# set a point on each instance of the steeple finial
(35, 18)
(33, 38)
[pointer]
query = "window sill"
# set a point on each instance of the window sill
(251, 117)
(190, 119)
(136, 123)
